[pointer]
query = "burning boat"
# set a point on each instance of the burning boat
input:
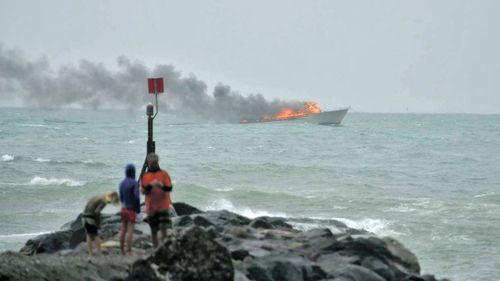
(309, 113)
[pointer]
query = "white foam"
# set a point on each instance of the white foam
(484, 195)
(39, 159)
(378, 226)
(401, 209)
(224, 204)
(20, 235)
(7, 157)
(224, 189)
(54, 181)
(131, 141)
(32, 125)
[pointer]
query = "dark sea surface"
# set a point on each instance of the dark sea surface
(431, 181)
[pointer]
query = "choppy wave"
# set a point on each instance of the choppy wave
(484, 194)
(54, 181)
(224, 204)
(87, 162)
(377, 226)
(38, 126)
(7, 157)
(224, 189)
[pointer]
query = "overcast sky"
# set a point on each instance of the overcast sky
(375, 56)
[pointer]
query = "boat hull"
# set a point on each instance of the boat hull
(333, 117)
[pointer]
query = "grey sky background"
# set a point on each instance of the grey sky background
(375, 56)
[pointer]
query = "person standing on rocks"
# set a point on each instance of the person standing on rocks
(91, 217)
(156, 185)
(129, 198)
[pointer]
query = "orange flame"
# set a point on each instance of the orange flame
(287, 113)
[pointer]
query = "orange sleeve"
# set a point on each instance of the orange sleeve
(146, 180)
(166, 180)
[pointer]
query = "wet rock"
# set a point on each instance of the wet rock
(274, 268)
(189, 254)
(225, 218)
(402, 255)
(183, 209)
(356, 273)
(217, 245)
(203, 222)
(47, 243)
(379, 267)
(182, 221)
(269, 223)
(239, 254)
(71, 235)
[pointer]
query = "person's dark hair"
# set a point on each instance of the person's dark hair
(153, 164)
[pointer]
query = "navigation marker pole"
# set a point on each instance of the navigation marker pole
(155, 86)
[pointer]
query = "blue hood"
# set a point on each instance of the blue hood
(130, 171)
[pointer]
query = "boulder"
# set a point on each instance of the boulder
(402, 255)
(71, 235)
(183, 209)
(187, 254)
(269, 223)
(283, 267)
(47, 243)
(356, 273)
(216, 245)
(224, 218)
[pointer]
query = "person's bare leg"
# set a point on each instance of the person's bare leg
(98, 244)
(154, 238)
(163, 234)
(89, 245)
(122, 237)
(130, 237)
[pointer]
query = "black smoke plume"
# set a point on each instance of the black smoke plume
(91, 85)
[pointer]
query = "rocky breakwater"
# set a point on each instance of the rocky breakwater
(216, 245)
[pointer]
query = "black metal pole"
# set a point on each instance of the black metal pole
(150, 147)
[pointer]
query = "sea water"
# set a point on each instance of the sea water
(429, 180)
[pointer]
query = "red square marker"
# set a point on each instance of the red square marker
(155, 85)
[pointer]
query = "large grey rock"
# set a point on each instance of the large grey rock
(402, 255)
(71, 235)
(223, 218)
(183, 209)
(283, 267)
(217, 245)
(269, 223)
(356, 273)
(188, 254)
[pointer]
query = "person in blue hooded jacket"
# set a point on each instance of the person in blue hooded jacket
(129, 198)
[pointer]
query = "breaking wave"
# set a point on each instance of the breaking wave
(20, 235)
(54, 181)
(7, 157)
(224, 204)
(377, 226)
(87, 162)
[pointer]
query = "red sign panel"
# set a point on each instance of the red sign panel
(155, 85)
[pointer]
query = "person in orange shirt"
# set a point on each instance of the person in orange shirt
(156, 185)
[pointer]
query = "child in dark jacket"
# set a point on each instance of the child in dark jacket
(129, 197)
